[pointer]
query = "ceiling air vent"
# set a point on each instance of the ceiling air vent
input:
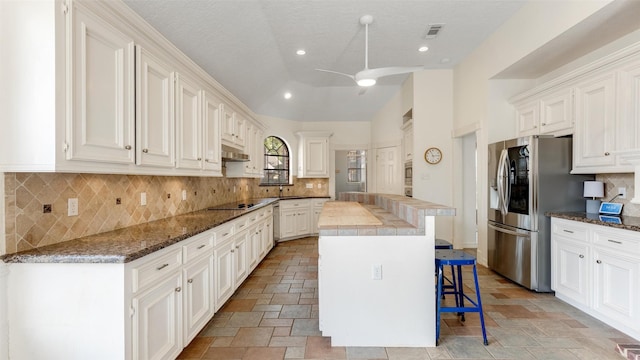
(433, 30)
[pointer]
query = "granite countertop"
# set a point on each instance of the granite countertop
(133, 242)
(626, 222)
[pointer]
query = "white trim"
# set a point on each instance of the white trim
(465, 130)
(4, 310)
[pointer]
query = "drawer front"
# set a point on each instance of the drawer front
(156, 269)
(319, 203)
(294, 204)
(569, 229)
(197, 245)
(223, 232)
(252, 217)
(242, 223)
(622, 240)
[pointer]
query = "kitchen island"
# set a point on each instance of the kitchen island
(375, 270)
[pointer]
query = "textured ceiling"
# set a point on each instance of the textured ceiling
(249, 46)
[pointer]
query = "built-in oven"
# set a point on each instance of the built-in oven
(408, 173)
(408, 191)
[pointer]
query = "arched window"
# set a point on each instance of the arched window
(276, 162)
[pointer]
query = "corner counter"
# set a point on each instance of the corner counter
(375, 270)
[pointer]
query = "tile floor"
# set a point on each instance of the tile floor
(274, 315)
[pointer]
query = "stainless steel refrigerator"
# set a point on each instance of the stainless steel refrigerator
(529, 176)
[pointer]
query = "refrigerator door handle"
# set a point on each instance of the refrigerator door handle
(503, 182)
(510, 232)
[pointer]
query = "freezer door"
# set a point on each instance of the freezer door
(512, 253)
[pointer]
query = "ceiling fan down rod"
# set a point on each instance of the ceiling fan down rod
(366, 20)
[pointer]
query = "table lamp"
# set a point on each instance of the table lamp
(593, 190)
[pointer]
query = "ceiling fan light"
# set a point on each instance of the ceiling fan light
(366, 82)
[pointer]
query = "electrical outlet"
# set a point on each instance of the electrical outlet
(184, 195)
(72, 207)
(376, 272)
(143, 198)
(309, 186)
(622, 191)
(320, 186)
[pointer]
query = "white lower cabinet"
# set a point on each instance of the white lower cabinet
(597, 269)
(149, 308)
(157, 320)
(299, 217)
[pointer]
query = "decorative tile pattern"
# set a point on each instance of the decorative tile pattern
(27, 227)
(611, 184)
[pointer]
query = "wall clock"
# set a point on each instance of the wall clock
(433, 155)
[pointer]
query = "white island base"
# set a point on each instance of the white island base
(398, 310)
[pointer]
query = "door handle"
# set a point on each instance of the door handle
(507, 231)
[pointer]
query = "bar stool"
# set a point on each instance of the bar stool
(457, 259)
(449, 287)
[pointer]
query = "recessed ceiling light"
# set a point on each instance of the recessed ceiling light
(287, 95)
(444, 60)
(423, 48)
(301, 52)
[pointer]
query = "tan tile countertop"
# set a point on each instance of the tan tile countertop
(399, 215)
(626, 222)
(133, 242)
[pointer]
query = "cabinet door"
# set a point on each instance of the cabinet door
(316, 217)
(198, 296)
(154, 111)
(240, 129)
(212, 108)
(629, 105)
(249, 149)
(228, 123)
(157, 321)
(287, 223)
(303, 222)
(241, 257)
(224, 274)
(616, 280)
(528, 118)
(254, 245)
(595, 123)
(100, 122)
(188, 124)
(315, 157)
(556, 112)
(571, 269)
(266, 238)
(258, 159)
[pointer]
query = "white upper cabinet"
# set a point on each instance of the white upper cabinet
(595, 136)
(100, 122)
(188, 123)
(233, 128)
(154, 111)
(546, 113)
(254, 148)
(629, 105)
(313, 154)
(211, 110)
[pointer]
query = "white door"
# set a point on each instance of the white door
(198, 296)
(287, 223)
(616, 286)
(388, 170)
(154, 111)
(241, 257)
(102, 116)
(224, 275)
(571, 269)
(211, 128)
(303, 223)
(157, 321)
(188, 124)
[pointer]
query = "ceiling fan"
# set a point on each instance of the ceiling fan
(368, 77)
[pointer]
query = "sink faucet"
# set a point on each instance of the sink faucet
(280, 195)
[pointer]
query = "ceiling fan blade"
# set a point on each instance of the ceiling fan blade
(362, 91)
(387, 71)
(339, 73)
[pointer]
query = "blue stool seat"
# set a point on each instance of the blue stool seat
(443, 244)
(439, 245)
(457, 259)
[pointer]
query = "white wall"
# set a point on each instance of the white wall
(476, 98)
(432, 126)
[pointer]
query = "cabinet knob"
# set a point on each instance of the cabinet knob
(128, 147)
(607, 154)
(237, 247)
(207, 160)
(190, 281)
(232, 250)
(544, 124)
(599, 261)
(581, 256)
(145, 150)
(199, 158)
(178, 289)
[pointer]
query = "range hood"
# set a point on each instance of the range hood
(233, 155)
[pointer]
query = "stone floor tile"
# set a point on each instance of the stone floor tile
(245, 319)
(285, 299)
(220, 331)
(282, 331)
(261, 353)
(295, 312)
(402, 353)
(288, 341)
(305, 327)
(224, 353)
(197, 348)
(294, 352)
(551, 354)
(222, 341)
(319, 347)
(234, 305)
(252, 337)
(369, 353)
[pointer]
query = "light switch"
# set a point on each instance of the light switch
(184, 195)
(143, 198)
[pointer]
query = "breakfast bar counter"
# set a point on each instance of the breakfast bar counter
(375, 270)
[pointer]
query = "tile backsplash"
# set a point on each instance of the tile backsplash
(108, 202)
(611, 184)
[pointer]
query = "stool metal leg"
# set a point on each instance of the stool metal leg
(460, 293)
(439, 302)
(475, 278)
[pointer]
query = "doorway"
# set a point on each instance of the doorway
(469, 191)
(351, 171)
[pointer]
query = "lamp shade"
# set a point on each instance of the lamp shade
(593, 189)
